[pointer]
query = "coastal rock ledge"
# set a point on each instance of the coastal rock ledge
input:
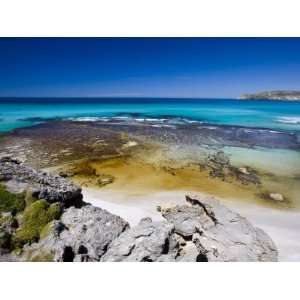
(201, 230)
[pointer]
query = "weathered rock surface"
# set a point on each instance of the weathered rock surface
(148, 241)
(81, 235)
(276, 197)
(202, 230)
(18, 178)
(219, 233)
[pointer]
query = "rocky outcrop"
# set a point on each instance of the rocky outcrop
(202, 230)
(18, 177)
(81, 235)
(273, 95)
(148, 241)
(219, 233)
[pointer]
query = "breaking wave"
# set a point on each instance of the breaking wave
(289, 120)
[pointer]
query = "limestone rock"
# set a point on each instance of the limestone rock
(276, 197)
(219, 233)
(81, 235)
(18, 177)
(148, 241)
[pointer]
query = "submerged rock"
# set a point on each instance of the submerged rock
(276, 197)
(104, 179)
(273, 197)
(220, 166)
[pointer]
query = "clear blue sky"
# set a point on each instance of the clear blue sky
(147, 67)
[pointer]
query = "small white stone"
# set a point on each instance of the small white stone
(276, 197)
(244, 170)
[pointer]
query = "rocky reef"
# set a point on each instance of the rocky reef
(220, 166)
(53, 223)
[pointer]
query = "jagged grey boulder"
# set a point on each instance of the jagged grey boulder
(19, 177)
(148, 241)
(81, 235)
(219, 233)
(202, 230)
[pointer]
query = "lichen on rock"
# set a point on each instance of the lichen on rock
(35, 218)
(11, 202)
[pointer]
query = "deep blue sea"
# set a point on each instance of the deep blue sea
(283, 115)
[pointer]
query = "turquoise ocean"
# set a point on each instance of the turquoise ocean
(279, 115)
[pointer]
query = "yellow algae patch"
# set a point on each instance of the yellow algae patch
(134, 176)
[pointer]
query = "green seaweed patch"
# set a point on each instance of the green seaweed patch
(35, 218)
(46, 230)
(11, 202)
(29, 198)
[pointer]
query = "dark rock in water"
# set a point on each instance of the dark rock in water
(19, 177)
(81, 235)
(104, 179)
(219, 164)
(246, 178)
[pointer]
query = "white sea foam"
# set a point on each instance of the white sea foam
(87, 119)
(209, 127)
(164, 125)
(163, 122)
(289, 120)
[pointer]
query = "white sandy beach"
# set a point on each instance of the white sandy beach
(282, 226)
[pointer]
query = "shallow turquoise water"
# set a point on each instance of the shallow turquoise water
(275, 115)
(282, 115)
